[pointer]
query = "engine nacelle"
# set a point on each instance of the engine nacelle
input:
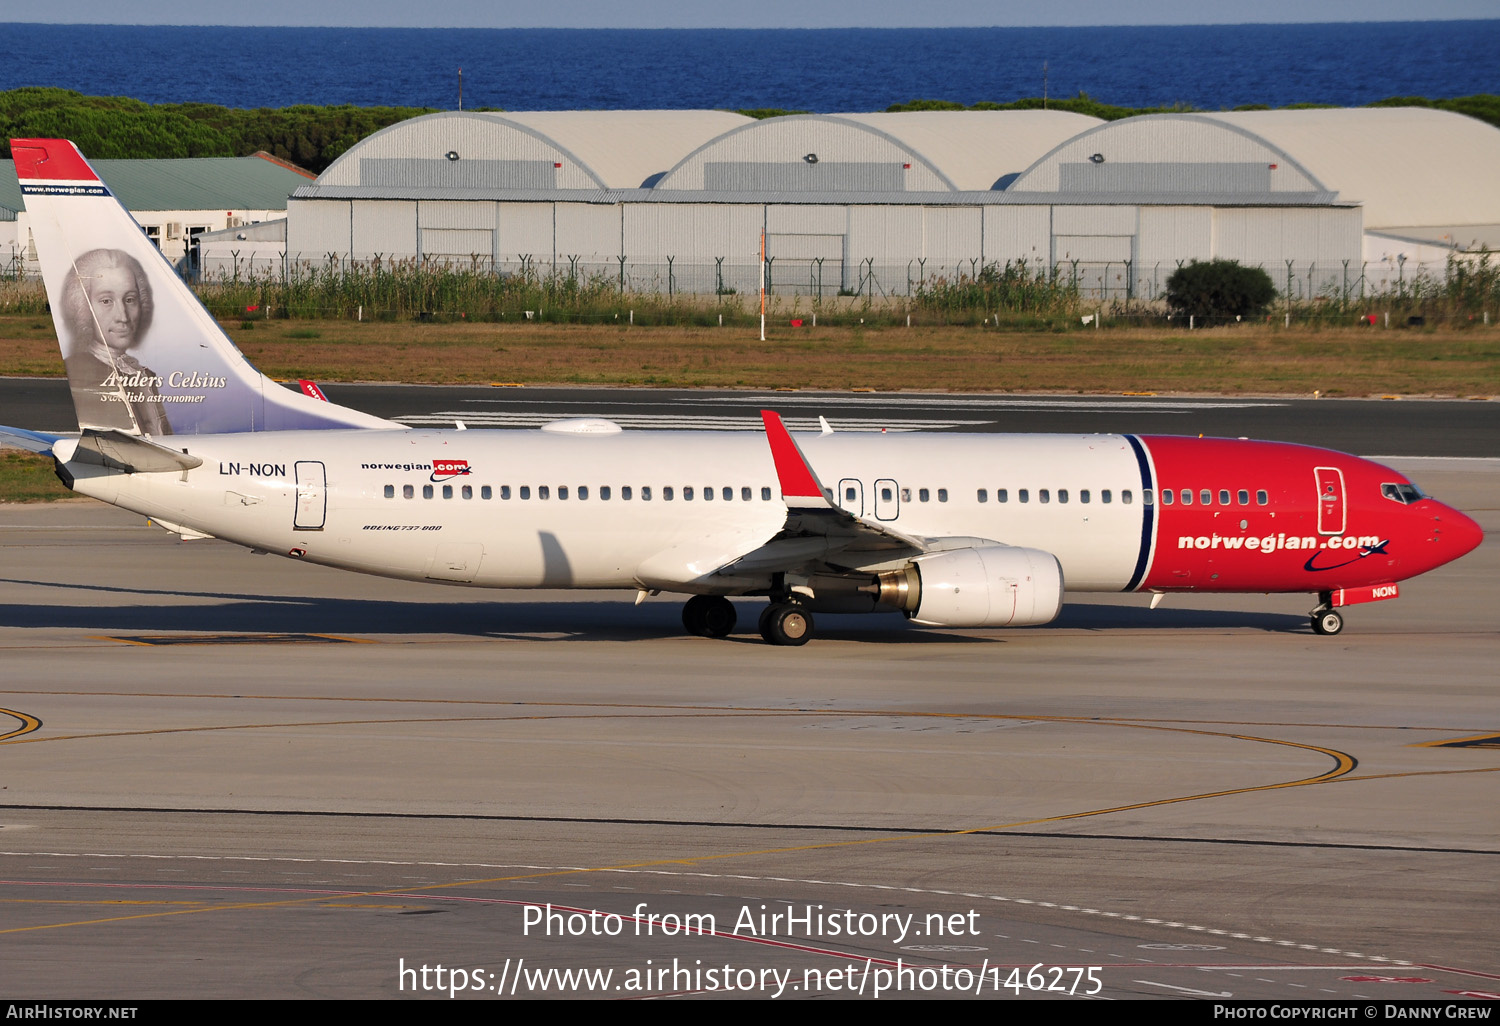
(988, 586)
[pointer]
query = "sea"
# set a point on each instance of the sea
(822, 70)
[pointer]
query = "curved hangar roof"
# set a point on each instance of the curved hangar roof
(1404, 165)
(474, 153)
(919, 151)
(540, 150)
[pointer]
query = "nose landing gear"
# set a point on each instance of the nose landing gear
(1325, 619)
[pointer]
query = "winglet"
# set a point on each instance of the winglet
(311, 388)
(799, 485)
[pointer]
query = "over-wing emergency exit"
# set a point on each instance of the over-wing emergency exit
(949, 530)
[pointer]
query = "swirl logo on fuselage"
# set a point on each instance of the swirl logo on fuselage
(1364, 552)
(444, 470)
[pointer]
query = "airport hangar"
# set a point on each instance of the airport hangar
(1329, 201)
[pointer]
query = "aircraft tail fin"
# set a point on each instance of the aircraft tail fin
(142, 354)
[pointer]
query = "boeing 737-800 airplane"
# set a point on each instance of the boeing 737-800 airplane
(951, 530)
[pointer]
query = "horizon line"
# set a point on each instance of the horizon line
(743, 28)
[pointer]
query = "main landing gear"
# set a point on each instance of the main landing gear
(713, 616)
(1325, 619)
(786, 623)
(709, 616)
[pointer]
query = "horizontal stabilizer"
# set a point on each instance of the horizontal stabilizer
(35, 441)
(131, 453)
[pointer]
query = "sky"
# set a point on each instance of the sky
(757, 14)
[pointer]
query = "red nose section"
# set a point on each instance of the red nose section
(1458, 532)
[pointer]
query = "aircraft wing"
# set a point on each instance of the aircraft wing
(816, 530)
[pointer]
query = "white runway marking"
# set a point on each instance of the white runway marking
(717, 876)
(898, 402)
(685, 422)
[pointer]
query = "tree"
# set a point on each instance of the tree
(1216, 291)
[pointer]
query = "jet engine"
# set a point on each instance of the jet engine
(989, 586)
(980, 586)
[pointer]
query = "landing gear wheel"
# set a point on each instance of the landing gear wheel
(1327, 621)
(786, 623)
(709, 616)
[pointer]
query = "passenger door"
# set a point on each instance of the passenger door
(1331, 507)
(312, 496)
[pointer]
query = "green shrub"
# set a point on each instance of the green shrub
(1216, 291)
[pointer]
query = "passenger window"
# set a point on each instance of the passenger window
(1083, 495)
(1187, 496)
(486, 493)
(1002, 495)
(1148, 497)
(745, 494)
(708, 494)
(983, 496)
(583, 492)
(604, 493)
(1044, 495)
(765, 494)
(625, 493)
(1105, 495)
(1205, 497)
(427, 491)
(850, 494)
(942, 495)
(447, 491)
(1062, 495)
(728, 494)
(906, 495)
(467, 491)
(526, 491)
(407, 492)
(687, 494)
(886, 495)
(1166, 496)
(390, 491)
(1126, 497)
(1223, 496)
(666, 494)
(1023, 494)
(923, 494)
(1244, 497)
(562, 492)
(544, 491)
(645, 493)
(1261, 498)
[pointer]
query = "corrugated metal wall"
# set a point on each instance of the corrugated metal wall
(1315, 241)
(318, 226)
(387, 228)
(524, 230)
(1013, 233)
(821, 248)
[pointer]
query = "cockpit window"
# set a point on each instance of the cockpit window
(1402, 493)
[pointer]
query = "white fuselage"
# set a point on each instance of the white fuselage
(530, 509)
